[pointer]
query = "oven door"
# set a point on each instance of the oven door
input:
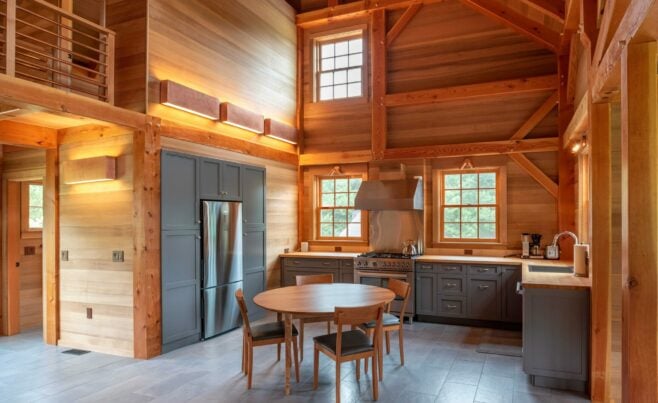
(380, 279)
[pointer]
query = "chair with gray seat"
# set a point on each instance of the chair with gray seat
(303, 320)
(390, 322)
(262, 335)
(352, 345)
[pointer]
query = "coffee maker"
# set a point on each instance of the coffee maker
(525, 246)
(535, 247)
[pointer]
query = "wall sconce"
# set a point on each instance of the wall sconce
(280, 131)
(239, 117)
(186, 99)
(88, 170)
(579, 146)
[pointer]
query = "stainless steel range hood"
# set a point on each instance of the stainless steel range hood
(403, 194)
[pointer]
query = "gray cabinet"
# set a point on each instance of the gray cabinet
(185, 181)
(181, 315)
(484, 298)
(220, 180)
(556, 336)
(466, 291)
(512, 309)
(426, 295)
(231, 181)
(179, 189)
(341, 269)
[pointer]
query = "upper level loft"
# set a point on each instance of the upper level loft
(59, 43)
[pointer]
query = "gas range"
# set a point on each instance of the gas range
(384, 262)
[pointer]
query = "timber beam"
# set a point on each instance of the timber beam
(26, 135)
(533, 170)
(516, 21)
(549, 8)
(353, 10)
(536, 117)
(474, 91)
(402, 23)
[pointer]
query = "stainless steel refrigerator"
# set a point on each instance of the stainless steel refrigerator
(221, 266)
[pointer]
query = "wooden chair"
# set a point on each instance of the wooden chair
(305, 280)
(262, 335)
(352, 345)
(390, 322)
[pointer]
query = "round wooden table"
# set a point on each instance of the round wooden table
(317, 300)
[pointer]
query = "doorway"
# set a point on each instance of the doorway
(23, 218)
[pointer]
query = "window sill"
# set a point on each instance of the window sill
(343, 101)
(338, 242)
(470, 245)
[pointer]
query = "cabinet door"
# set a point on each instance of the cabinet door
(556, 333)
(209, 179)
(181, 288)
(231, 181)
(426, 293)
(253, 246)
(512, 302)
(179, 198)
(346, 271)
(253, 195)
(484, 299)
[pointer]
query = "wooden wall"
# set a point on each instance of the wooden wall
(31, 284)
(96, 219)
(445, 44)
(243, 52)
(281, 200)
(129, 18)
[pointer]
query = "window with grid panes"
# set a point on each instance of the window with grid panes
(340, 68)
(337, 218)
(469, 203)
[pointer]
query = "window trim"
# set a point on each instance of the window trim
(317, 208)
(26, 231)
(336, 36)
(501, 210)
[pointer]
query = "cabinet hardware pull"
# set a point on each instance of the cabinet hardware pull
(451, 268)
(198, 237)
(483, 270)
(198, 221)
(484, 287)
(451, 306)
(295, 261)
(451, 285)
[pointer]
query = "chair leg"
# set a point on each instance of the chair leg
(380, 355)
(243, 360)
(388, 342)
(301, 340)
(250, 365)
(375, 381)
(401, 341)
(295, 351)
(316, 366)
(365, 366)
(278, 352)
(337, 381)
(358, 369)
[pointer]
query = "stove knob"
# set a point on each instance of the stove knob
(374, 264)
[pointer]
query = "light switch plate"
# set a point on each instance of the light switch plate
(117, 256)
(65, 256)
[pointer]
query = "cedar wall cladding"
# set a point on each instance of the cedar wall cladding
(96, 219)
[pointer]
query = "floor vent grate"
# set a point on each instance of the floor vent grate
(74, 351)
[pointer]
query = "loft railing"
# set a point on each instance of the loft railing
(51, 46)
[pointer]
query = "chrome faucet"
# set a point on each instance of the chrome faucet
(553, 250)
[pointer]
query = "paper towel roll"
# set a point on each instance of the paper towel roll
(580, 252)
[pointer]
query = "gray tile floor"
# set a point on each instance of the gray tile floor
(441, 366)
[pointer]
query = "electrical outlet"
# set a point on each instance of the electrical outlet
(29, 251)
(90, 313)
(338, 248)
(468, 252)
(65, 256)
(117, 256)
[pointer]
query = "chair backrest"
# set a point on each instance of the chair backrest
(314, 279)
(239, 296)
(402, 289)
(357, 316)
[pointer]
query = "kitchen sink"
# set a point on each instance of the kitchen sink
(550, 269)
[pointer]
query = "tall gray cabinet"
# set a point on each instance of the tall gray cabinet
(185, 181)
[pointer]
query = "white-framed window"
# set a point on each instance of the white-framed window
(340, 68)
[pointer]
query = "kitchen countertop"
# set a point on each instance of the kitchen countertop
(529, 279)
(335, 255)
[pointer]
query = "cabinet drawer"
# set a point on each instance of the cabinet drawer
(483, 270)
(451, 286)
(424, 267)
(347, 263)
(452, 306)
(311, 263)
(455, 269)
